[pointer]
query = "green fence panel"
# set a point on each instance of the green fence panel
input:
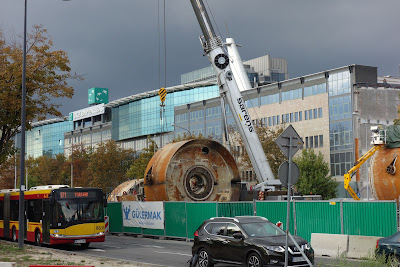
(370, 218)
(232, 209)
(317, 217)
(175, 219)
(275, 211)
(133, 230)
(197, 212)
(114, 212)
(157, 232)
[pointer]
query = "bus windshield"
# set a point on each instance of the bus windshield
(76, 211)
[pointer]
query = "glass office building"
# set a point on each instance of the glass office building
(146, 117)
(262, 70)
(45, 138)
(320, 107)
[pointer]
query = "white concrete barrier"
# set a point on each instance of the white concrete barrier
(8, 264)
(331, 245)
(361, 246)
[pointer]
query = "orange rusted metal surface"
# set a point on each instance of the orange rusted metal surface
(385, 186)
(192, 170)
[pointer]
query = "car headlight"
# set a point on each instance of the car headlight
(275, 248)
(99, 234)
(58, 236)
(307, 246)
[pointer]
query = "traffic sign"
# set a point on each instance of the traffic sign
(283, 173)
(283, 141)
(162, 93)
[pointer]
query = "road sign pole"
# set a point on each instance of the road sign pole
(288, 199)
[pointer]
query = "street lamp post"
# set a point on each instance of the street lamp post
(182, 128)
(21, 215)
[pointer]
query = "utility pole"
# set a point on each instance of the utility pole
(21, 215)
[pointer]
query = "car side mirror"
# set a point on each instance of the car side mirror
(238, 236)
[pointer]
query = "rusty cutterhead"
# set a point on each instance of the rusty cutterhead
(192, 170)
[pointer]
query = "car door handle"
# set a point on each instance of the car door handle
(208, 240)
(225, 242)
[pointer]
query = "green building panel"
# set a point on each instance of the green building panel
(97, 96)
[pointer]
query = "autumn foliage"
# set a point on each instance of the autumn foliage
(47, 76)
(106, 167)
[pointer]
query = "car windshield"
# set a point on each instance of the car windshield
(70, 212)
(259, 229)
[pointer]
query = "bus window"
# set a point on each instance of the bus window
(34, 210)
(14, 207)
(73, 211)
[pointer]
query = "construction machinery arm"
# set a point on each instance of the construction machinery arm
(232, 81)
(357, 165)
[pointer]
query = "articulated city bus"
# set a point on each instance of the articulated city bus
(55, 214)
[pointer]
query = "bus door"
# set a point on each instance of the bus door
(25, 221)
(7, 214)
(46, 218)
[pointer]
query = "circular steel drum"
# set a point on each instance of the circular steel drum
(385, 185)
(192, 170)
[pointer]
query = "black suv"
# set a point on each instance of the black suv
(249, 240)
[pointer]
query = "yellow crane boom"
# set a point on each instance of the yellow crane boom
(357, 165)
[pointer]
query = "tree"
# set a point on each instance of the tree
(80, 160)
(45, 170)
(314, 175)
(189, 136)
(139, 164)
(7, 172)
(275, 157)
(109, 164)
(47, 74)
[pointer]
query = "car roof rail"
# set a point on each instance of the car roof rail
(250, 217)
(229, 218)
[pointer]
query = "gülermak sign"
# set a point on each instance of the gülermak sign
(143, 214)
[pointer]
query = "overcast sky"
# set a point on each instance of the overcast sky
(115, 43)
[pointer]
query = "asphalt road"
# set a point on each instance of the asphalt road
(155, 252)
(169, 253)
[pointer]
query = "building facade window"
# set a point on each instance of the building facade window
(315, 90)
(340, 129)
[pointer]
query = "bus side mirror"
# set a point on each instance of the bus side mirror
(52, 200)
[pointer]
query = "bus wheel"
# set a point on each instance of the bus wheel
(38, 240)
(14, 235)
(85, 245)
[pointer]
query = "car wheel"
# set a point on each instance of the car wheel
(205, 259)
(14, 235)
(38, 239)
(254, 260)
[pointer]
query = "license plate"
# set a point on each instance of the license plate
(80, 241)
(297, 259)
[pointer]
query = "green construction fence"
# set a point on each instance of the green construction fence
(181, 219)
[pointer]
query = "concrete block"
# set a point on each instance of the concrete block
(362, 246)
(331, 245)
(8, 264)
